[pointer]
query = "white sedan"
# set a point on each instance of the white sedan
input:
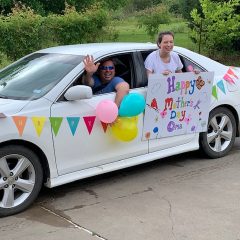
(49, 133)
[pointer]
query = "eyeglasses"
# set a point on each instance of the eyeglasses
(106, 68)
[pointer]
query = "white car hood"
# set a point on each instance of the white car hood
(10, 107)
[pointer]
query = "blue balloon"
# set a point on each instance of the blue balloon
(132, 105)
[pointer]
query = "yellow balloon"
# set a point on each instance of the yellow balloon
(125, 128)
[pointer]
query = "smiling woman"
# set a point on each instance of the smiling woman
(33, 76)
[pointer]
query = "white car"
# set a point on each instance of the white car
(46, 84)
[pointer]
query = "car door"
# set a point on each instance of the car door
(81, 141)
(167, 142)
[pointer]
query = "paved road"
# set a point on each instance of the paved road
(185, 197)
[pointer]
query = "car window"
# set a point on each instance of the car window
(123, 68)
(189, 65)
(33, 76)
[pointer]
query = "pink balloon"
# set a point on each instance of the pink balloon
(107, 111)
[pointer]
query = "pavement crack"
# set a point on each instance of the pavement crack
(170, 215)
(74, 224)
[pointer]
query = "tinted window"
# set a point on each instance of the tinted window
(33, 76)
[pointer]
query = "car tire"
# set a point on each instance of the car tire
(21, 178)
(220, 135)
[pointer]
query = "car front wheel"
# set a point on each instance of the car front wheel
(221, 133)
(21, 178)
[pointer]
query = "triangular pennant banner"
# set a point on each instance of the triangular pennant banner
(214, 91)
(73, 123)
(221, 86)
(38, 123)
(55, 123)
(89, 122)
(104, 126)
(228, 78)
(230, 72)
(20, 122)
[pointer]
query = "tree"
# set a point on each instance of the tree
(218, 27)
(151, 18)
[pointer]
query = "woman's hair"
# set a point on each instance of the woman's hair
(161, 34)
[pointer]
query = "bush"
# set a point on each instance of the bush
(24, 32)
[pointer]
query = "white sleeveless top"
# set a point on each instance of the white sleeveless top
(155, 64)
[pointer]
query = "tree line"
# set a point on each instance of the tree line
(29, 25)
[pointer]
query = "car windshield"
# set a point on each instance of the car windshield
(35, 75)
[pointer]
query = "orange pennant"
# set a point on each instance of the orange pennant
(104, 126)
(20, 122)
(230, 72)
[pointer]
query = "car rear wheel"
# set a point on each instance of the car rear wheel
(221, 133)
(21, 178)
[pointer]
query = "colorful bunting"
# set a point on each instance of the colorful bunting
(230, 72)
(221, 86)
(228, 78)
(104, 126)
(20, 122)
(214, 91)
(55, 123)
(38, 123)
(89, 122)
(73, 123)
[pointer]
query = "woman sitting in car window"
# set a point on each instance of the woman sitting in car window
(164, 60)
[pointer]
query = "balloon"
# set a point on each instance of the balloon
(107, 111)
(125, 128)
(132, 104)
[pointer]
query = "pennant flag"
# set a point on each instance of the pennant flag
(55, 123)
(104, 126)
(38, 123)
(89, 122)
(73, 123)
(214, 92)
(20, 122)
(230, 72)
(221, 86)
(228, 78)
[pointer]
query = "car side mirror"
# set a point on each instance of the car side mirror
(78, 92)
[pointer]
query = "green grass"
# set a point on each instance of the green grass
(128, 31)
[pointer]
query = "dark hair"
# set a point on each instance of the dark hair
(107, 59)
(161, 34)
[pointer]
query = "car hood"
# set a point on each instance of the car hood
(10, 107)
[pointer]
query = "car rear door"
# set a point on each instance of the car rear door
(167, 142)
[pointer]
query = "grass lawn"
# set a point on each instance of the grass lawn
(128, 31)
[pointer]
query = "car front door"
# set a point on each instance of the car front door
(82, 141)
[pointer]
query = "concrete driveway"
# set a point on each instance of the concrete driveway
(185, 197)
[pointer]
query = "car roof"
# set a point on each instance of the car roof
(98, 48)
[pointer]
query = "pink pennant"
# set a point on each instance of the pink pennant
(230, 72)
(89, 122)
(228, 78)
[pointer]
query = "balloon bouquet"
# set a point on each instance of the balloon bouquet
(124, 119)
